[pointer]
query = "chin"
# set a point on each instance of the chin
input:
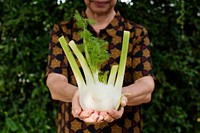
(101, 10)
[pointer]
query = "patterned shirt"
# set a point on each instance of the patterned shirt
(138, 65)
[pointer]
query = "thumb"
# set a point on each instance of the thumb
(76, 108)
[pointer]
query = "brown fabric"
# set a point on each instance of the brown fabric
(138, 65)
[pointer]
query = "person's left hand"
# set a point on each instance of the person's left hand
(114, 114)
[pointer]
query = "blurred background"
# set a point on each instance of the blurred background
(174, 28)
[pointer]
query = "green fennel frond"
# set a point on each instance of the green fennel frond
(82, 22)
(94, 47)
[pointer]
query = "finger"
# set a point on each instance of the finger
(100, 119)
(85, 114)
(92, 119)
(106, 117)
(109, 119)
(76, 108)
(116, 114)
(103, 114)
(124, 101)
(76, 113)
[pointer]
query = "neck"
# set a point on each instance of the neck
(102, 20)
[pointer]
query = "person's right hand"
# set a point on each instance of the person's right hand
(88, 116)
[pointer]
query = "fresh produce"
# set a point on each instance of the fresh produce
(98, 91)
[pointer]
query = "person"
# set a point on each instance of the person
(138, 78)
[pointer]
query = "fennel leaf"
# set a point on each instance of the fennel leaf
(94, 47)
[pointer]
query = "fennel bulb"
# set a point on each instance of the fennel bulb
(100, 97)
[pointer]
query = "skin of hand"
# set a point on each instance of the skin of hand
(139, 92)
(93, 117)
(59, 87)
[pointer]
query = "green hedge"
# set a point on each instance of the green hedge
(174, 28)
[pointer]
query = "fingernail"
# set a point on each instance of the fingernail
(95, 117)
(124, 101)
(101, 117)
(76, 112)
(89, 112)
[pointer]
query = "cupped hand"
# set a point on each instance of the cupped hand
(93, 117)
(113, 114)
(88, 116)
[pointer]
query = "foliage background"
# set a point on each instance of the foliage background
(174, 28)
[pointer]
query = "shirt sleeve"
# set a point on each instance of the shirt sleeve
(142, 63)
(57, 61)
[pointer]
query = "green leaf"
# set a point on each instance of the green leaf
(11, 124)
(94, 47)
